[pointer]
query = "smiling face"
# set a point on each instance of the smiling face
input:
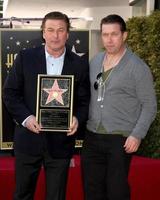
(113, 38)
(55, 34)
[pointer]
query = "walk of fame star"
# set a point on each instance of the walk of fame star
(55, 92)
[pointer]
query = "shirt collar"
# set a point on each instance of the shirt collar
(60, 57)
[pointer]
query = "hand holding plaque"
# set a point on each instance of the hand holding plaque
(55, 102)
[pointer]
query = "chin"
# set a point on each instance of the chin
(57, 49)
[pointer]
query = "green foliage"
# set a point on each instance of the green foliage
(144, 40)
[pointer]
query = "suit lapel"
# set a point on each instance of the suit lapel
(67, 66)
(41, 61)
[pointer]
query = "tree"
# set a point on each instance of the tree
(144, 40)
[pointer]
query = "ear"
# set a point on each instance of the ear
(43, 34)
(125, 34)
(67, 36)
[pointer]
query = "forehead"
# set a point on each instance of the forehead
(55, 23)
(111, 27)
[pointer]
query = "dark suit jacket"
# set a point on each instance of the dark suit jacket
(19, 95)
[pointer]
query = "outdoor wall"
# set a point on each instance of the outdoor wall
(93, 15)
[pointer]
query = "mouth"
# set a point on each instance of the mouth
(109, 46)
(55, 41)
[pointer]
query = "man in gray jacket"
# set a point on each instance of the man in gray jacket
(122, 107)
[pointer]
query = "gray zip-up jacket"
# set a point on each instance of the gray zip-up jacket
(129, 101)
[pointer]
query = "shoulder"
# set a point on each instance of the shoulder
(32, 51)
(98, 58)
(138, 65)
(95, 65)
(29, 56)
(73, 58)
(72, 55)
(134, 59)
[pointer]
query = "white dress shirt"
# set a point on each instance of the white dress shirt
(54, 65)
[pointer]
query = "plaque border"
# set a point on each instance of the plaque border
(39, 79)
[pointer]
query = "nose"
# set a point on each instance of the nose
(55, 34)
(109, 38)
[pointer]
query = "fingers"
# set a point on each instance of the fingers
(32, 124)
(73, 127)
(132, 144)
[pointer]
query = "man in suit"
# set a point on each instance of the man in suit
(34, 147)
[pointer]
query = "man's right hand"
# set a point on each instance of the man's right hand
(32, 124)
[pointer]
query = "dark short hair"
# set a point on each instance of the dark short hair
(114, 19)
(57, 16)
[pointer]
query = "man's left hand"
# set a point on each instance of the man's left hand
(132, 144)
(73, 127)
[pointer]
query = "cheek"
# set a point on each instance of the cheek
(47, 38)
(64, 37)
(119, 41)
(104, 40)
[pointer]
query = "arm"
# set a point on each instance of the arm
(13, 94)
(146, 96)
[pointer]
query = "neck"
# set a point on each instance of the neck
(55, 53)
(116, 54)
(111, 60)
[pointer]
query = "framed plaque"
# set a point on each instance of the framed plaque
(54, 102)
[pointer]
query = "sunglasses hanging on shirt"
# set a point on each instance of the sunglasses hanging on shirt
(98, 85)
(98, 81)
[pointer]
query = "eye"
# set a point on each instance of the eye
(50, 30)
(104, 34)
(114, 34)
(61, 30)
